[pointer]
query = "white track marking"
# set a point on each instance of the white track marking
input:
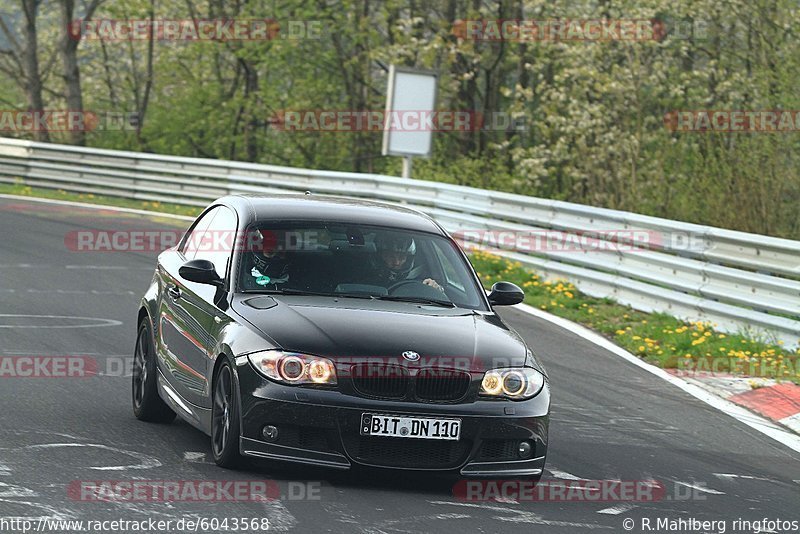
(616, 510)
(106, 268)
(743, 415)
(145, 461)
(55, 513)
(793, 422)
(12, 490)
(700, 488)
(280, 518)
(452, 516)
(72, 267)
(405, 524)
(520, 516)
(729, 476)
(98, 322)
(83, 292)
(12, 352)
(563, 475)
(99, 267)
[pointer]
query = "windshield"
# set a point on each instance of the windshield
(358, 261)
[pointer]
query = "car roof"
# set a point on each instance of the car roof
(298, 207)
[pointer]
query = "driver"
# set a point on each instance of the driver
(395, 259)
(265, 265)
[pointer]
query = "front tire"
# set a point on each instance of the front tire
(225, 428)
(147, 404)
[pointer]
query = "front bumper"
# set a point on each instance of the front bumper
(322, 427)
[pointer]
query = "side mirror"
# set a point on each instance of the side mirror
(201, 272)
(505, 294)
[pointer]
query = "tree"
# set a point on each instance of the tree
(69, 54)
(22, 59)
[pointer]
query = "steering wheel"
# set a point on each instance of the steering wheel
(400, 284)
(415, 288)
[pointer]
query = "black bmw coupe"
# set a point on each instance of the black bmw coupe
(333, 332)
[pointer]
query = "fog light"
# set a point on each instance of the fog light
(270, 433)
(525, 450)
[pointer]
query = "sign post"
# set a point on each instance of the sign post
(411, 95)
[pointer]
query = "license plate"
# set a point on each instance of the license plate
(399, 426)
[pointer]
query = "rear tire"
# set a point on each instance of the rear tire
(225, 428)
(147, 404)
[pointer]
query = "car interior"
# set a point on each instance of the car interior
(338, 259)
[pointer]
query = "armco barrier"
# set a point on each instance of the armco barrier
(738, 280)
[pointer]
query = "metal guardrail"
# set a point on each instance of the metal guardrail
(738, 280)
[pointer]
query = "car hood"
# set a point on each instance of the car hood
(351, 329)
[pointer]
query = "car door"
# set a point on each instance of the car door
(184, 322)
(202, 302)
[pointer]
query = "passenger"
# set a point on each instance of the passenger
(265, 263)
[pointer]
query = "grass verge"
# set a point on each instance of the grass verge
(60, 194)
(657, 338)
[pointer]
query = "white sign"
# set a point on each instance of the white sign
(411, 92)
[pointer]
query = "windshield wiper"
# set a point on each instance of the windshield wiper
(418, 300)
(311, 293)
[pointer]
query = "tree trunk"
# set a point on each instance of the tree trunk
(252, 110)
(71, 73)
(148, 85)
(33, 80)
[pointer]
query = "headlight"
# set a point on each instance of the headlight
(517, 383)
(293, 368)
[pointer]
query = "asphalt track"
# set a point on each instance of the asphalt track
(610, 420)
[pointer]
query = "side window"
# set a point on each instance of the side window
(195, 238)
(218, 241)
(450, 272)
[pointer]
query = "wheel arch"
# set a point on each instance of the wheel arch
(221, 358)
(143, 313)
(224, 355)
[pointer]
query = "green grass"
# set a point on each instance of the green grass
(59, 194)
(656, 338)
